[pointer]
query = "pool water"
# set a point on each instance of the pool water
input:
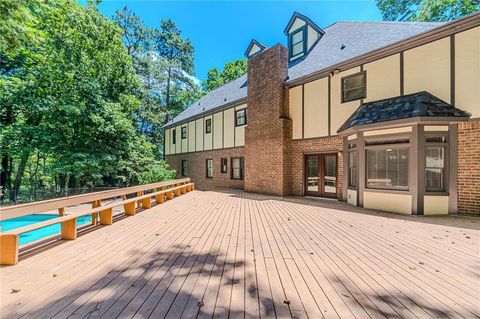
(36, 234)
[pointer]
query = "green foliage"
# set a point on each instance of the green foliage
(426, 10)
(68, 98)
(163, 62)
(231, 71)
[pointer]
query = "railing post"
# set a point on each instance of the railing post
(61, 211)
(69, 229)
(8, 249)
(129, 208)
(106, 217)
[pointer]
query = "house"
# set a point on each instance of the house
(383, 115)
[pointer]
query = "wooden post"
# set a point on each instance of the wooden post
(160, 198)
(61, 211)
(183, 190)
(69, 229)
(177, 192)
(193, 186)
(8, 249)
(147, 202)
(170, 195)
(95, 204)
(106, 217)
(129, 208)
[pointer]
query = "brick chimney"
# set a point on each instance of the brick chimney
(268, 133)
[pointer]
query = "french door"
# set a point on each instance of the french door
(321, 175)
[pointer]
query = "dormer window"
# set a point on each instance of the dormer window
(297, 43)
(303, 35)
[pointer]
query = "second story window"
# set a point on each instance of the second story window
(174, 136)
(184, 132)
(241, 117)
(297, 43)
(208, 126)
(354, 87)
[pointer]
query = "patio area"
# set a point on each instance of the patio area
(230, 254)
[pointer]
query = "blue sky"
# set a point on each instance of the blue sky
(221, 30)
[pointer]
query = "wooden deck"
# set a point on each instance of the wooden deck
(240, 255)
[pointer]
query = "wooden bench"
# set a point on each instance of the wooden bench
(9, 240)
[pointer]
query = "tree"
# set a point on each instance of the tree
(163, 62)
(231, 71)
(426, 10)
(68, 105)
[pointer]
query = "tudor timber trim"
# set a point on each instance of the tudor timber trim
(446, 30)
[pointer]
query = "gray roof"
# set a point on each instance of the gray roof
(357, 37)
(233, 91)
(421, 104)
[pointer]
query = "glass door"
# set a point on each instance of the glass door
(321, 175)
(312, 176)
(329, 178)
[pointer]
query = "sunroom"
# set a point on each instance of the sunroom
(400, 155)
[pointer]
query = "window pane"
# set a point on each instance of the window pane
(312, 173)
(353, 82)
(297, 48)
(353, 87)
(297, 37)
(237, 168)
(352, 167)
(387, 168)
(434, 168)
(354, 94)
(434, 157)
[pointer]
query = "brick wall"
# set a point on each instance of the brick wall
(197, 167)
(268, 133)
(469, 167)
(318, 145)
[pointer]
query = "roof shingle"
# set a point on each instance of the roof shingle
(356, 38)
(402, 107)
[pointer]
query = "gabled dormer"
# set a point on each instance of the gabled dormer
(254, 48)
(302, 35)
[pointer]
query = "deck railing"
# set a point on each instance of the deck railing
(9, 240)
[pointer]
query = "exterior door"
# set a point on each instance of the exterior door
(321, 175)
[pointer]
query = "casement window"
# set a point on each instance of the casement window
(354, 87)
(184, 132)
(352, 168)
(184, 168)
(237, 168)
(387, 164)
(208, 126)
(209, 168)
(223, 165)
(241, 117)
(297, 43)
(174, 136)
(435, 156)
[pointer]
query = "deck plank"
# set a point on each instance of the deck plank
(230, 254)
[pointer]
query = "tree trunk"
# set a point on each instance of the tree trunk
(20, 172)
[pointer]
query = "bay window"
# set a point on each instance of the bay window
(387, 168)
(435, 155)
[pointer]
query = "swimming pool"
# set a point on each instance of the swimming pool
(41, 232)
